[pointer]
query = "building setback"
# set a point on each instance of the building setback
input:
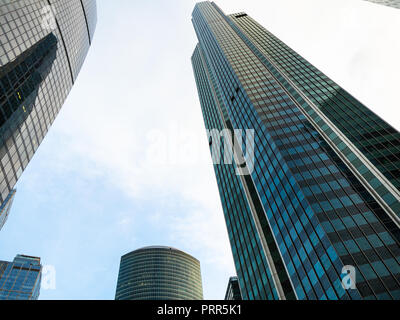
(159, 273)
(20, 279)
(233, 290)
(43, 45)
(317, 215)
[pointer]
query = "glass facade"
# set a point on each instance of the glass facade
(5, 208)
(159, 273)
(233, 290)
(324, 195)
(389, 3)
(20, 279)
(43, 44)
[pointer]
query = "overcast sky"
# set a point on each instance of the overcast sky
(126, 163)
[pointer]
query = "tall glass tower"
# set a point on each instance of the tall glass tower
(389, 3)
(43, 45)
(233, 290)
(159, 273)
(6, 207)
(316, 212)
(20, 279)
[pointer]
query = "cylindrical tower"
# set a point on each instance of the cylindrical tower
(159, 273)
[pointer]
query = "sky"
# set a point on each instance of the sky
(126, 164)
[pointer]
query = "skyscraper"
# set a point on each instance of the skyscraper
(5, 208)
(20, 279)
(312, 206)
(233, 290)
(389, 3)
(159, 273)
(43, 45)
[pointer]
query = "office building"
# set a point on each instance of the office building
(312, 198)
(233, 290)
(20, 279)
(159, 273)
(5, 208)
(43, 45)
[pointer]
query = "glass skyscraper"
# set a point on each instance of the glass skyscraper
(20, 279)
(6, 207)
(318, 214)
(43, 44)
(233, 290)
(389, 3)
(159, 273)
